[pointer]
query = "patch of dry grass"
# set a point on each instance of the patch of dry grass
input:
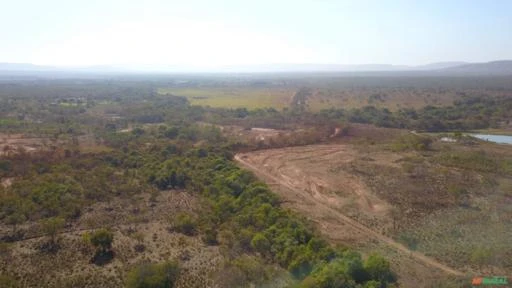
(70, 266)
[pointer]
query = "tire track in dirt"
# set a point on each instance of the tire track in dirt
(322, 211)
(315, 184)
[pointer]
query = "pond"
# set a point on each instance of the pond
(501, 139)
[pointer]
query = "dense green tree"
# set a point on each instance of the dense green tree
(378, 268)
(260, 243)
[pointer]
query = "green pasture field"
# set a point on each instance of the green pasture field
(234, 97)
(321, 98)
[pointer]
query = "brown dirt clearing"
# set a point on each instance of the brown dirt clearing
(309, 181)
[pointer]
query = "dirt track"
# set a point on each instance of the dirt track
(306, 192)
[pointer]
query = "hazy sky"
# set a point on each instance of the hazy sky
(219, 32)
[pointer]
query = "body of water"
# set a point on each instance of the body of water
(502, 139)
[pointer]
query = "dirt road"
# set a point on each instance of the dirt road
(321, 208)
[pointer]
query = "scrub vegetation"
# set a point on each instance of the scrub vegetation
(135, 183)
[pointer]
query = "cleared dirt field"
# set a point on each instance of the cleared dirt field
(14, 143)
(309, 181)
(11, 144)
(311, 168)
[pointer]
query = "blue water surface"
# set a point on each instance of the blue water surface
(502, 139)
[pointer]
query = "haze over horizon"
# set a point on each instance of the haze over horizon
(208, 35)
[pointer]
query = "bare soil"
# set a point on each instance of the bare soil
(315, 170)
(6, 182)
(310, 181)
(15, 143)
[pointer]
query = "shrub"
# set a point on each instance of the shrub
(8, 282)
(139, 237)
(481, 256)
(210, 237)
(51, 227)
(412, 142)
(15, 219)
(245, 271)
(332, 275)
(410, 241)
(260, 243)
(163, 275)
(349, 271)
(184, 223)
(5, 249)
(102, 240)
(378, 268)
(5, 166)
(471, 160)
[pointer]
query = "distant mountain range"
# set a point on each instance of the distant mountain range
(503, 67)
(495, 68)
(340, 67)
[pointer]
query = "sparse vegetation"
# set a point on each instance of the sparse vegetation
(158, 170)
(412, 142)
(184, 223)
